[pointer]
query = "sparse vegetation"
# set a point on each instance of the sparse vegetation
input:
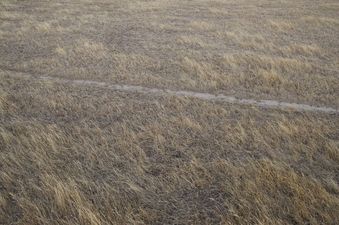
(72, 154)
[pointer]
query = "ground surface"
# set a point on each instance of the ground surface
(72, 154)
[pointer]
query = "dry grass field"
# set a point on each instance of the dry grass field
(89, 155)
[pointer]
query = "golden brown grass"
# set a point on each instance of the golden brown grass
(92, 156)
(145, 42)
(81, 155)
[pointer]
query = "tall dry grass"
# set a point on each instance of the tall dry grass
(82, 155)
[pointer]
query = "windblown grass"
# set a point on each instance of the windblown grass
(91, 156)
(82, 155)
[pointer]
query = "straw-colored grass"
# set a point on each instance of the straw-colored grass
(72, 154)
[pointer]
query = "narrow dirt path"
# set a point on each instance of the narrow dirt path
(199, 95)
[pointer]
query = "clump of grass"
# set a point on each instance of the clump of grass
(254, 62)
(203, 71)
(302, 50)
(200, 25)
(321, 21)
(281, 26)
(191, 41)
